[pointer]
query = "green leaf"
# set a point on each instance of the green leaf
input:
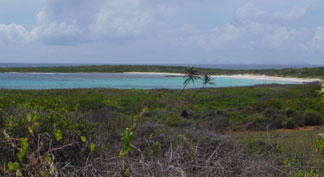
(48, 159)
(58, 135)
(286, 161)
(13, 166)
(157, 144)
(121, 153)
(92, 147)
(18, 173)
(30, 130)
(150, 152)
(24, 148)
(29, 117)
(20, 155)
(83, 139)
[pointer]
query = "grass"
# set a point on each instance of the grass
(298, 139)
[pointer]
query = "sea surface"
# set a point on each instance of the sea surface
(41, 81)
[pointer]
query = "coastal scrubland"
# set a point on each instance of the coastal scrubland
(317, 72)
(264, 130)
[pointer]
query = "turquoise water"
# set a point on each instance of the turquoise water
(112, 80)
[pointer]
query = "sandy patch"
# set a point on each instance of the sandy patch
(241, 76)
(265, 77)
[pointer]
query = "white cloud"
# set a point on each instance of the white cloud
(77, 21)
(282, 36)
(250, 12)
(123, 19)
(318, 39)
(175, 28)
(55, 32)
(13, 34)
(188, 35)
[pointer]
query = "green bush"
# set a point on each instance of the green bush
(312, 117)
(291, 112)
(269, 112)
(275, 120)
(177, 121)
(289, 123)
(41, 139)
(256, 122)
(299, 120)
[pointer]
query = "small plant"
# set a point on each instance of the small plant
(127, 137)
(319, 143)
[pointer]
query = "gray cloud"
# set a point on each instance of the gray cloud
(250, 12)
(77, 21)
(209, 30)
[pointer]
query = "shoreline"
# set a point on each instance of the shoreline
(156, 73)
(242, 76)
(238, 76)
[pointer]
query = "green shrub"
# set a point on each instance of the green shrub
(275, 120)
(312, 117)
(256, 122)
(289, 123)
(299, 120)
(177, 121)
(269, 112)
(291, 112)
(41, 139)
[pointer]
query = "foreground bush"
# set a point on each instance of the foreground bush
(43, 140)
(158, 150)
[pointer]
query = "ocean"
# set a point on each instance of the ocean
(39, 81)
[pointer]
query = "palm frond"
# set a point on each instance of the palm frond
(207, 79)
(186, 81)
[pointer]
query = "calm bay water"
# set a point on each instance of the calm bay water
(112, 80)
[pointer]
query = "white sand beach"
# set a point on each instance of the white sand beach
(242, 76)
(157, 73)
(265, 77)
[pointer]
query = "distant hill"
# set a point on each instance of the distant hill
(287, 72)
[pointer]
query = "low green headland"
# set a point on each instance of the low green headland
(265, 130)
(288, 72)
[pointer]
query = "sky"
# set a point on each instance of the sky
(162, 31)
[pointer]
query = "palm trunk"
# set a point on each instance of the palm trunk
(183, 89)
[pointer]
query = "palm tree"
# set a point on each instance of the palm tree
(191, 75)
(206, 80)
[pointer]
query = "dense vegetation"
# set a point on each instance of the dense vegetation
(108, 132)
(291, 72)
(245, 108)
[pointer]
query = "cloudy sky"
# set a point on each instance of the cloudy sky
(162, 31)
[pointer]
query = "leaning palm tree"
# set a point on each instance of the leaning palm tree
(206, 80)
(191, 75)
